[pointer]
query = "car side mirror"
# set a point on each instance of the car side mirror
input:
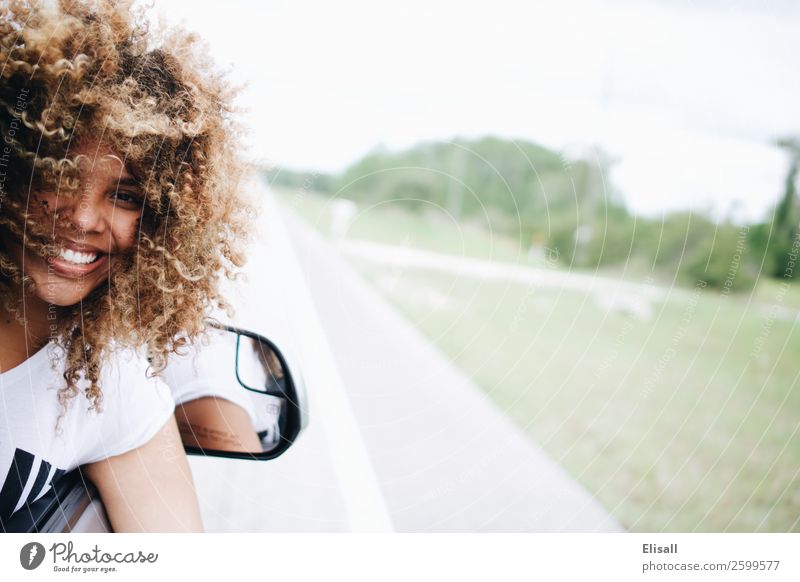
(256, 408)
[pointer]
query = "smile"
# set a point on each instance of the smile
(76, 263)
(78, 257)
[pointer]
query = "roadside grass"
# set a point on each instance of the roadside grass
(392, 224)
(686, 420)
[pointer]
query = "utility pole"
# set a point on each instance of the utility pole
(455, 191)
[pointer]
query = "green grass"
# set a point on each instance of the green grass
(676, 424)
(687, 421)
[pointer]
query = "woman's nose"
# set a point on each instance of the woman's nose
(88, 213)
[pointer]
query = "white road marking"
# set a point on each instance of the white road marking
(329, 403)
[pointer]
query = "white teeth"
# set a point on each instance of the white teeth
(77, 257)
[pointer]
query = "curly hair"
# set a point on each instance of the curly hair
(73, 70)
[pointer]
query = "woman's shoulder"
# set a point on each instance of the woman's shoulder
(133, 400)
(134, 406)
(126, 380)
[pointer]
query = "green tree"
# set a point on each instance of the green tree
(775, 240)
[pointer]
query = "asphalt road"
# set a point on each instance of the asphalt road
(399, 440)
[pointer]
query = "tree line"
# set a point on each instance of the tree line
(567, 207)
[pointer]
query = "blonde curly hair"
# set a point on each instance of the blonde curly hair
(73, 70)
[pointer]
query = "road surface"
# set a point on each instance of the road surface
(400, 439)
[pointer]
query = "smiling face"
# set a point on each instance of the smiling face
(104, 216)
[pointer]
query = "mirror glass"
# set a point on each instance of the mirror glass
(234, 397)
(258, 367)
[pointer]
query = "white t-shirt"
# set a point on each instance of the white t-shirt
(32, 453)
(208, 370)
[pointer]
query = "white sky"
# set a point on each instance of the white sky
(688, 95)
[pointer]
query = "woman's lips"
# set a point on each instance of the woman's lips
(72, 270)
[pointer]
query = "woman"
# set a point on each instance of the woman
(119, 213)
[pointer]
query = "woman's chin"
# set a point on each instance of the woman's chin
(64, 294)
(63, 284)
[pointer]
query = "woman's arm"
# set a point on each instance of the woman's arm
(149, 489)
(217, 424)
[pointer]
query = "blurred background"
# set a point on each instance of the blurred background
(584, 219)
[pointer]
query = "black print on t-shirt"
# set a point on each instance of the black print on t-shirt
(17, 477)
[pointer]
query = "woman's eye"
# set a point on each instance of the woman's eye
(127, 199)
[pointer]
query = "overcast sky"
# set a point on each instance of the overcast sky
(687, 95)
